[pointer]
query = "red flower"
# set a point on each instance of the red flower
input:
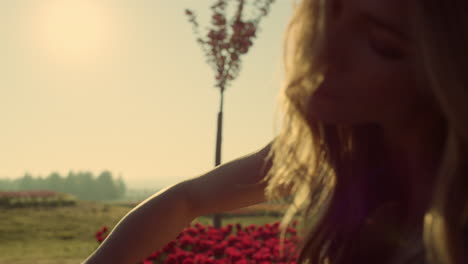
(291, 230)
(218, 250)
(192, 231)
(249, 251)
(295, 223)
(181, 255)
(232, 240)
(200, 258)
(204, 245)
(155, 255)
(170, 247)
(186, 240)
(188, 261)
(209, 261)
(171, 259)
(251, 244)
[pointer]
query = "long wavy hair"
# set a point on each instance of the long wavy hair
(333, 170)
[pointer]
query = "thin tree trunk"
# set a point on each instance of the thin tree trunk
(217, 216)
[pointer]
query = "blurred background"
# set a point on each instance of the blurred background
(105, 102)
(122, 87)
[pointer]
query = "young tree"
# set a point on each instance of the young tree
(225, 44)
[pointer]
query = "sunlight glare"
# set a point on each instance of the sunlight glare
(72, 31)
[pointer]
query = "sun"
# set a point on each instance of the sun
(72, 31)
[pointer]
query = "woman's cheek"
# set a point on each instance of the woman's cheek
(369, 93)
(393, 94)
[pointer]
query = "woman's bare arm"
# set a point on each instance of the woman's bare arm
(146, 228)
(229, 186)
(160, 218)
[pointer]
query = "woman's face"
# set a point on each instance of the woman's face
(371, 74)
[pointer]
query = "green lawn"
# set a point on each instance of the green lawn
(66, 235)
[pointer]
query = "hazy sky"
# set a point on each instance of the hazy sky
(119, 85)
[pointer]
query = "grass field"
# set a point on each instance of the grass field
(66, 235)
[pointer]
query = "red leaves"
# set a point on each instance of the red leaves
(231, 244)
(217, 35)
(219, 19)
(220, 45)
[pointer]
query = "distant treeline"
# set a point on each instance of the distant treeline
(83, 185)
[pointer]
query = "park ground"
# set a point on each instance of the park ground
(65, 235)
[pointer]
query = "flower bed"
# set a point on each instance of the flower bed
(232, 244)
(14, 199)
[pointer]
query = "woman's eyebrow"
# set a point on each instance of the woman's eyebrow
(386, 25)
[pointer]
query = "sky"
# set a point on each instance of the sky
(118, 85)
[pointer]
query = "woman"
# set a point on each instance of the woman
(372, 143)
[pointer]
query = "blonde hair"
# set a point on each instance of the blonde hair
(330, 167)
